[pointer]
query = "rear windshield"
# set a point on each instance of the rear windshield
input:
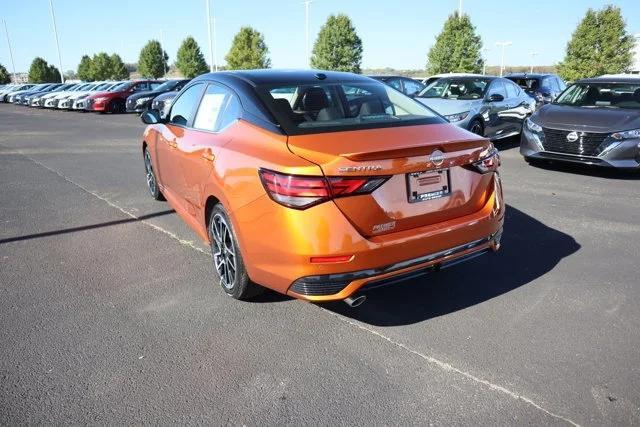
(456, 88)
(528, 84)
(330, 107)
(602, 95)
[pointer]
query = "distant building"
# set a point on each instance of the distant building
(19, 77)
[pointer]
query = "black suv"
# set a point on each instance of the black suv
(406, 85)
(544, 88)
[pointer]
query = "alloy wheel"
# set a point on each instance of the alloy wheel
(151, 178)
(476, 128)
(224, 253)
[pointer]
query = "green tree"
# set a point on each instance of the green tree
(53, 75)
(4, 75)
(118, 69)
(338, 46)
(153, 60)
(100, 66)
(248, 51)
(599, 45)
(41, 72)
(85, 69)
(189, 60)
(457, 48)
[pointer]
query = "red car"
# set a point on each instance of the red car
(114, 100)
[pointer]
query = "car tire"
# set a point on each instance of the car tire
(117, 106)
(227, 259)
(152, 180)
(476, 127)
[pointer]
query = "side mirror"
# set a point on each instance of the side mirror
(151, 117)
(496, 97)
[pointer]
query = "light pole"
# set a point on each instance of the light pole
(503, 45)
(15, 77)
(164, 63)
(306, 30)
(533, 55)
(211, 64)
(460, 9)
(484, 61)
(55, 33)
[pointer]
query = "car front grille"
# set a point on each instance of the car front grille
(586, 145)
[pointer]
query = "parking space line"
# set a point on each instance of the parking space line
(174, 236)
(450, 368)
(444, 366)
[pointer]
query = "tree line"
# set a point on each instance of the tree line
(599, 45)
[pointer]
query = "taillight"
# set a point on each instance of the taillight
(301, 192)
(489, 161)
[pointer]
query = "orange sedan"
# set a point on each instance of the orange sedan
(321, 185)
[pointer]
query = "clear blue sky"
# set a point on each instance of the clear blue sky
(395, 33)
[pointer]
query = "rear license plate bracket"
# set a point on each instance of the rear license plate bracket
(428, 185)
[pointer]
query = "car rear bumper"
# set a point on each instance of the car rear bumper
(623, 155)
(278, 244)
(340, 286)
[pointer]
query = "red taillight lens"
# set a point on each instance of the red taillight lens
(488, 162)
(301, 192)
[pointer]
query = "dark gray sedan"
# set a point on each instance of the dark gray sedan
(595, 121)
(493, 107)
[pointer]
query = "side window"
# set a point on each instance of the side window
(232, 112)
(395, 83)
(547, 84)
(511, 90)
(141, 86)
(154, 85)
(411, 87)
(214, 102)
(184, 106)
(497, 88)
(561, 84)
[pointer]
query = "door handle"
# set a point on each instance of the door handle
(208, 156)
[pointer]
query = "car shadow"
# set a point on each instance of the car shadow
(507, 143)
(529, 250)
(588, 170)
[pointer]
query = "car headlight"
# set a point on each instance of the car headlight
(532, 126)
(457, 117)
(628, 134)
(141, 101)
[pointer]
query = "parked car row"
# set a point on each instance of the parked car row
(106, 96)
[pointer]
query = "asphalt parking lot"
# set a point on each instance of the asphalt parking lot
(109, 313)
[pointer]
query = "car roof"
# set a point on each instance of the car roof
(620, 78)
(275, 77)
(528, 75)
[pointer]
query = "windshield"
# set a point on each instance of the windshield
(456, 88)
(342, 106)
(168, 85)
(103, 86)
(528, 84)
(601, 95)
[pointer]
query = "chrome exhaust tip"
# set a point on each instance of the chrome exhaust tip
(356, 301)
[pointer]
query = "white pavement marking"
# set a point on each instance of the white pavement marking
(429, 359)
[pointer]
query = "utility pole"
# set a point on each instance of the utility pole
(164, 63)
(484, 60)
(306, 4)
(211, 65)
(503, 45)
(533, 55)
(55, 34)
(13, 64)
